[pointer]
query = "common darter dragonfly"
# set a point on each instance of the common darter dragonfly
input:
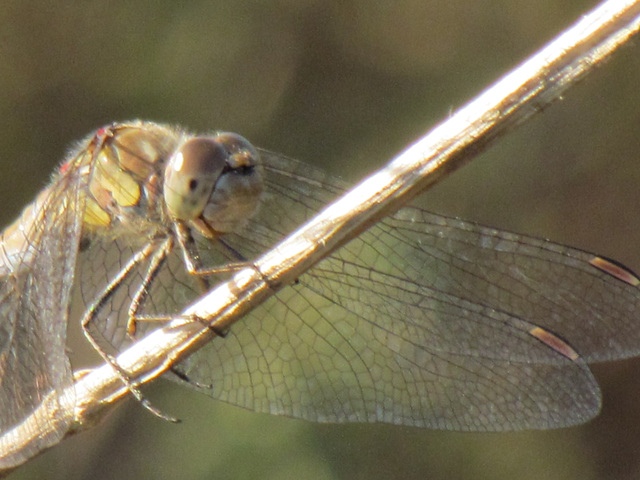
(423, 320)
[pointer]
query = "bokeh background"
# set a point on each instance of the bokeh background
(344, 85)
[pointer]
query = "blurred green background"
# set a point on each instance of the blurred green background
(344, 85)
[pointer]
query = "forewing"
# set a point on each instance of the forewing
(550, 285)
(423, 320)
(34, 309)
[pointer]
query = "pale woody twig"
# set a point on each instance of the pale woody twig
(527, 89)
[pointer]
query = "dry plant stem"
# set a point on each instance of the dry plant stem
(526, 90)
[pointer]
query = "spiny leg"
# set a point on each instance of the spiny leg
(157, 261)
(241, 260)
(98, 305)
(192, 264)
(191, 256)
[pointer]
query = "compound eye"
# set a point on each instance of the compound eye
(190, 176)
(242, 154)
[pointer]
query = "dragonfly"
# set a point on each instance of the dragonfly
(423, 320)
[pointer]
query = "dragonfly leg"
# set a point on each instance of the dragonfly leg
(239, 257)
(187, 379)
(193, 265)
(157, 261)
(92, 313)
(191, 256)
(158, 258)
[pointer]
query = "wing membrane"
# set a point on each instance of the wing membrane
(34, 309)
(423, 320)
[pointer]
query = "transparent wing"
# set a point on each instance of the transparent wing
(34, 309)
(168, 294)
(104, 256)
(423, 320)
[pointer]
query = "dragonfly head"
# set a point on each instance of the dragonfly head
(213, 183)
